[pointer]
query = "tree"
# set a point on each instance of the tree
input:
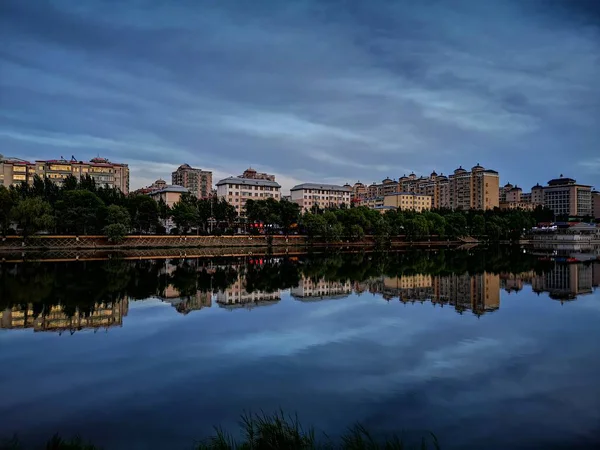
(185, 215)
(478, 225)
(417, 227)
(356, 232)
(115, 232)
(143, 212)
(79, 211)
(70, 183)
(456, 225)
(116, 214)
(7, 202)
(314, 225)
(32, 215)
(289, 213)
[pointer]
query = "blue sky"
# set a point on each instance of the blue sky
(310, 90)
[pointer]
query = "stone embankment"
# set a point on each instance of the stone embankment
(12, 243)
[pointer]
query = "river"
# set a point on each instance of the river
(490, 349)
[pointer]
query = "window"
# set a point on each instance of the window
(19, 169)
(19, 177)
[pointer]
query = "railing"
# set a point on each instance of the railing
(44, 242)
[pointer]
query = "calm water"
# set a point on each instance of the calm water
(486, 349)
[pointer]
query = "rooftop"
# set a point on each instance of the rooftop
(324, 187)
(171, 188)
(248, 182)
(408, 193)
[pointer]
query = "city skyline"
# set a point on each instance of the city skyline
(311, 92)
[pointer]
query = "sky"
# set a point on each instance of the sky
(313, 90)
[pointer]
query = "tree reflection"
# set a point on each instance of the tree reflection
(79, 287)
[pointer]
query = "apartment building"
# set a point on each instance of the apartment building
(513, 197)
(197, 181)
(596, 204)
(474, 189)
(387, 186)
(567, 198)
(170, 194)
(101, 170)
(252, 174)
(237, 190)
(308, 195)
(407, 201)
(359, 193)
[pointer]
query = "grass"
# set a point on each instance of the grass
(270, 432)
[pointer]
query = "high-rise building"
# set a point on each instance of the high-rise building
(475, 189)
(237, 191)
(565, 197)
(407, 201)
(101, 170)
(252, 174)
(197, 181)
(596, 204)
(322, 195)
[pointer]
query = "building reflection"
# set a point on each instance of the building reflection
(58, 318)
(479, 293)
(237, 296)
(309, 289)
(566, 281)
(190, 285)
(187, 304)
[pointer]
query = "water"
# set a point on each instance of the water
(493, 349)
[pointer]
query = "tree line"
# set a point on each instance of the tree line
(82, 284)
(81, 207)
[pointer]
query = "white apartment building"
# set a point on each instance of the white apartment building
(323, 195)
(236, 191)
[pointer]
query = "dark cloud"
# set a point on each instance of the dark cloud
(336, 90)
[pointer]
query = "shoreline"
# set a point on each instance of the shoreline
(11, 244)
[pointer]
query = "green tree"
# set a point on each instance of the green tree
(314, 225)
(32, 215)
(118, 214)
(143, 212)
(8, 200)
(356, 232)
(79, 211)
(478, 225)
(115, 232)
(456, 225)
(70, 183)
(185, 215)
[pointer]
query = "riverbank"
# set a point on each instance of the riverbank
(46, 242)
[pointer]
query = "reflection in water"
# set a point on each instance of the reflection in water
(479, 293)
(78, 295)
(311, 290)
(237, 295)
(59, 318)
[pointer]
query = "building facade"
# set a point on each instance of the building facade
(408, 201)
(237, 191)
(170, 194)
(308, 195)
(596, 205)
(101, 170)
(475, 189)
(197, 181)
(567, 198)
(252, 174)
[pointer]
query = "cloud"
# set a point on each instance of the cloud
(308, 91)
